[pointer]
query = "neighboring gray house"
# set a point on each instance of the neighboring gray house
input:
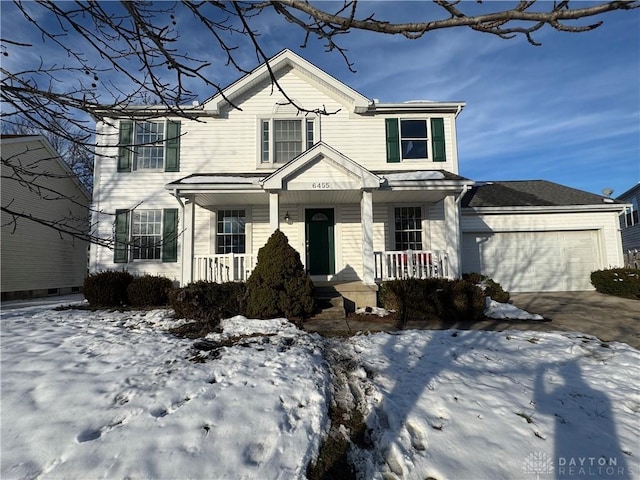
(630, 227)
(536, 235)
(36, 259)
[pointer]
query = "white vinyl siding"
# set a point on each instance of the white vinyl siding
(35, 257)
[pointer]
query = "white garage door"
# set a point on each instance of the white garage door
(534, 261)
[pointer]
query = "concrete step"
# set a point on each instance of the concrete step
(330, 304)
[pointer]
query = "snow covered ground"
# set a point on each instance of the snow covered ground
(114, 395)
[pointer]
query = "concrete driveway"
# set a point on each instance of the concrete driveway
(611, 319)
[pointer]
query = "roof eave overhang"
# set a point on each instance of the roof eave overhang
(610, 207)
(447, 185)
(418, 107)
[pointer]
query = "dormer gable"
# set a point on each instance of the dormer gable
(286, 59)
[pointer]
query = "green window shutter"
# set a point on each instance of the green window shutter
(170, 235)
(121, 250)
(393, 140)
(437, 140)
(172, 148)
(125, 146)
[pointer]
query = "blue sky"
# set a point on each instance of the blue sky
(568, 111)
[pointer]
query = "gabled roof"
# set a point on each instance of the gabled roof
(288, 59)
(50, 154)
(320, 151)
(529, 193)
(633, 191)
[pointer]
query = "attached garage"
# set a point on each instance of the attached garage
(534, 261)
(536, 236)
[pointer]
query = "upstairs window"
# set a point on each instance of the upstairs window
(149, 146)
(415, 139)
(284, 139)
(408, 228)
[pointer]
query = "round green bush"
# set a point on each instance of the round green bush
(433, 299)
(149, 291)
(208, 301)
(621, 282)
(107, 289)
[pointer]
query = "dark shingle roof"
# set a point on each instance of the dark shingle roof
(527, 193)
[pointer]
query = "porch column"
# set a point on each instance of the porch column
(454, 245)
(187, 240)
(274, 211)
(366, 220)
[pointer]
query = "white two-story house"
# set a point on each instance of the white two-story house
(368, 192)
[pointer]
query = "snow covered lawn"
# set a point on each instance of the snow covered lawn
(113, 395)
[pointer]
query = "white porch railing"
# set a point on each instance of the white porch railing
(396, 265)
(229, 267)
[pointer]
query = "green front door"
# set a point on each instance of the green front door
(320, 242)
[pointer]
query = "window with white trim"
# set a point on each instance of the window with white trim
(413, 139)
(631, 217)
(149, 141)
(408, 228)
(283, 139)
(231, 234)
(149, 146)
(146, 234)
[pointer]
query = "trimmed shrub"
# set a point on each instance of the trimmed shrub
(107, 289)
(621, 282)
(279, 285)
(149, 291)
(491, 288)
(208, 301)
(434, 299)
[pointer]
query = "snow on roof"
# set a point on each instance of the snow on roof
(409, 176)
(220, 179)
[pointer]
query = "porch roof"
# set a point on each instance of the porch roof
(292, 181)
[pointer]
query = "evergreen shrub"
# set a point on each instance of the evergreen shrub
(107, 289)
(621, 282)
(149, 291)
(433, 299)
(491, 288)
(279, 285)
(208, 301)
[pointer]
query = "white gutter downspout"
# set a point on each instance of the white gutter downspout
(175, 194)
(465, 189)
(458, 111)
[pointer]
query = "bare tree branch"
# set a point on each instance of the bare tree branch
(110, 60)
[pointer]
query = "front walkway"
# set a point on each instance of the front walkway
(609, 318)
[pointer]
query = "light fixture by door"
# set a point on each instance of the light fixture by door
(287, 217)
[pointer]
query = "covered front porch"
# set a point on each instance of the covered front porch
(349, 225)
(388, 265)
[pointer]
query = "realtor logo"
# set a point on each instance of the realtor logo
(538, 463)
